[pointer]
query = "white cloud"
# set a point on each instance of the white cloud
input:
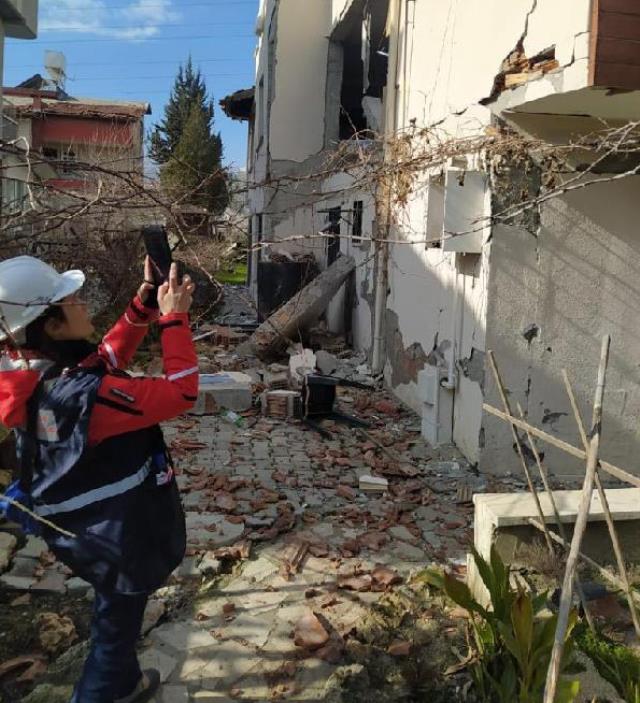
(140, 19)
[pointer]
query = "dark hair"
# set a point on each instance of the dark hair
(36, 338)
(65, 353)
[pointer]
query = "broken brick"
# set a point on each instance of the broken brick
(309, 632)
(384, 577)
(359, 584)
(399, 648)
(346, 492)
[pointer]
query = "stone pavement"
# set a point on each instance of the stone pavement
(279, 530)
(287, 490)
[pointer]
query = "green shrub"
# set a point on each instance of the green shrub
(512, 640)
(616, 663)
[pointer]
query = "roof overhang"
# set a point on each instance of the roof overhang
(239, 105)
(20, 19)
(31, 103)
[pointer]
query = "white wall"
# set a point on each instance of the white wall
(297, 114)
(454, 50)
(292, 124)
(449, 56)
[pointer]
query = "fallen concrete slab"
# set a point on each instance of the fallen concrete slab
(229, 391)
(300, 312)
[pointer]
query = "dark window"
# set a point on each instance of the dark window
(68, 161)
(333, 247)
(356, 226)
(365, 48)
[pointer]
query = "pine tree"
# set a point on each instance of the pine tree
(186, 147)
(189, 89)
(195, 169)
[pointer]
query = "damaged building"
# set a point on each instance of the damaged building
(447, 280)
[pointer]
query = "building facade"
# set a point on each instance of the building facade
(63, 132)
(539, 289)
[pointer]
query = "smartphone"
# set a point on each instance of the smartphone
(156, 243)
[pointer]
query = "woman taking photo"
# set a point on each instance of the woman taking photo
(94, 467)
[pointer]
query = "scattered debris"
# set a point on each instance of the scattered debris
(373, 483)
(399, 648)
(326, 363)
(384, 577)
(281, 404)
(56, 632)
(229, 390)
(292, 558)
(300, 312)
(301, 365)
(34, 665)
(355, 583)
(310, 633)
(153, 613)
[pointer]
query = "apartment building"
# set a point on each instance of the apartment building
(63, 131)
(446, 280)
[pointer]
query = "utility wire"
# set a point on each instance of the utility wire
(190, 37)
(165, 6)
(196, 62)
(152, 78)
(150, 22)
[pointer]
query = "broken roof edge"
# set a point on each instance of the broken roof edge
(51, 98)
(25, 101)
(239, 105)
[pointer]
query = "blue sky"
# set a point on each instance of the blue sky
(131, 49)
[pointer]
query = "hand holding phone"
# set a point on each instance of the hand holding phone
(175, 296)
(156, 243)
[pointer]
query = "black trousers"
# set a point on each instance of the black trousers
(111, 670)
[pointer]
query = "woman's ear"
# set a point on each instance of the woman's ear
(54, 328)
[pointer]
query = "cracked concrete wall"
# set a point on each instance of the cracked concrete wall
(449, 56)
(461, 47)
(423, 327)
(552, 297)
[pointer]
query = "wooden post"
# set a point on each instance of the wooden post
(546, 531)
(553, 675)
(516, 439)
(612, 470)
(613, 532)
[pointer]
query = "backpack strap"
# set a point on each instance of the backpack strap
(29, 453)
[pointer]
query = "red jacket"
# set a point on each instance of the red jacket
(124, 403)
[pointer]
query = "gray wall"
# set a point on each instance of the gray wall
(578, 279)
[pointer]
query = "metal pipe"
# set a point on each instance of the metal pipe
(450, 383)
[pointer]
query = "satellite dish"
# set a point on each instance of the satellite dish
(55, 64)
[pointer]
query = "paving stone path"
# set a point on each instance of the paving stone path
(235, 641)
(267, 492)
